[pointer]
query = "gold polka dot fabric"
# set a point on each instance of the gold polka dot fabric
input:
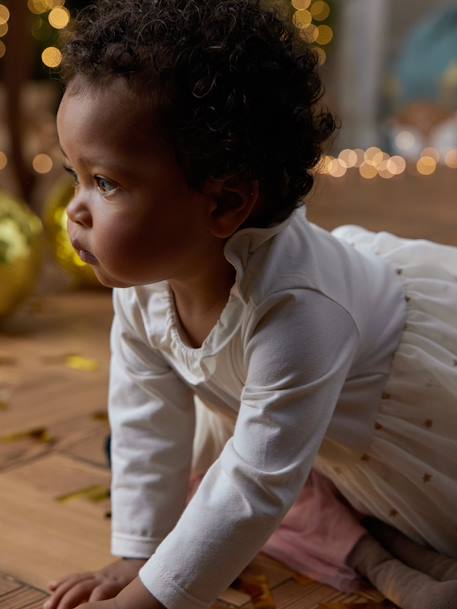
(408, 476)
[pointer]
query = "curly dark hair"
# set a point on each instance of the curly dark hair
(237, 86)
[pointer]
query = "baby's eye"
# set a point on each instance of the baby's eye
(73, 175)
(105, 186)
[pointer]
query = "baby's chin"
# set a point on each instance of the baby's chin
(109, 281)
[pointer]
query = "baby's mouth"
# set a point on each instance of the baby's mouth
(87, 257)
(84, 254)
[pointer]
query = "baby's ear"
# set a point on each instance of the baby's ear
(232, 202)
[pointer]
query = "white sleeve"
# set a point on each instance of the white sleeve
(297, 355)
(152, 419)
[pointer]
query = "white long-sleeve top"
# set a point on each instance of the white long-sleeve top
(299, 357)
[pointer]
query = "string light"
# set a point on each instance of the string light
(307, 11)
(373, 162)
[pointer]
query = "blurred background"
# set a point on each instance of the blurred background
(390, 74)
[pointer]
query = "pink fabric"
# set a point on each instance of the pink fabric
(316, 535)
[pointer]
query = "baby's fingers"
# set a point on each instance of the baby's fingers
(74, 576)
(105, 591)
(67, 584)
(76, 595)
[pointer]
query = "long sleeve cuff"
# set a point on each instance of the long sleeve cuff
(160, 584)
(133, 546)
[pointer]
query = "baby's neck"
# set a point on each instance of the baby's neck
(200, 301)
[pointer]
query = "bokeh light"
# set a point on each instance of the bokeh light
(336, 168)
(51, 57)
(433, 152)
(59, 18)
(302, 19)
(37, 7)
(301, 5)
(4, 14)
(325, 34)
(310, 33)
(426, 165)
(348, 157)
(321, 55)
(320, 10)
(450, 158)
(396, 164)
(42, 163)
(374, 156)
(405, 140)
(368, 171)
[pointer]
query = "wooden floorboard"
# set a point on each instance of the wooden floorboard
(54, 480)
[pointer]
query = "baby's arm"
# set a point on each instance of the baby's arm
(152, 418)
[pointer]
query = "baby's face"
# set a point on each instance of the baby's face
(133, 216)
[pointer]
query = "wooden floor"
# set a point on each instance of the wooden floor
(54, 481)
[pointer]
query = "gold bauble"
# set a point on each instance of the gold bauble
(21, 252)
(55, 224)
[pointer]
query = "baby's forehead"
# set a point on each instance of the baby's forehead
(114, 110)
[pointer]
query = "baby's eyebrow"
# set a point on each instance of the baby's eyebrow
(120, 169)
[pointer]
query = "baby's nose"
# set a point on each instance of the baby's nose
(78, 212)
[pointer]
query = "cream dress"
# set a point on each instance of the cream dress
(408, 475)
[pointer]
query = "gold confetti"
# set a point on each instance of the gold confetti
(82, 363)
(258, 589)
(93, 493)
(40, 433)
(60, 358)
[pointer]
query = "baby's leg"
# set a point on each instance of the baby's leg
(406, 587)
(419, 557)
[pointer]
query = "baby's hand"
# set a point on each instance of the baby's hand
(72, 590)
